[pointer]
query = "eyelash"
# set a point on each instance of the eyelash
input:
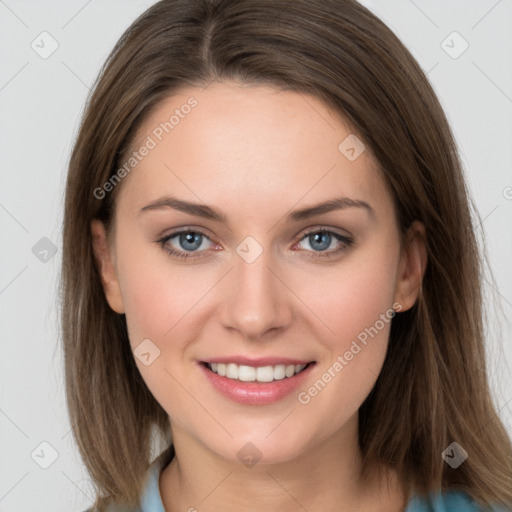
(346, 241)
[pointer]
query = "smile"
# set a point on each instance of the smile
(256, 374)
(259, 382)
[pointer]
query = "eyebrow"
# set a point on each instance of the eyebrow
(207, 212)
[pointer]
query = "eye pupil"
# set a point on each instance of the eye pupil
(316, 237)
(190, 238)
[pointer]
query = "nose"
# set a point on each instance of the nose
(256, 301)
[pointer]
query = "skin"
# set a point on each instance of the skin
(255, 153)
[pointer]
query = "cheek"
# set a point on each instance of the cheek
(161, 305)
(158, 296)
(352, 296)
(355, 304)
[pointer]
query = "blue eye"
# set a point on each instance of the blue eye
(191, 243)
(321, 239)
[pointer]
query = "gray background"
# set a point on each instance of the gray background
(41, 101)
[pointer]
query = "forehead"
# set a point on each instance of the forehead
(251, 145)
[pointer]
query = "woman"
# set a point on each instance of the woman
(319, 345)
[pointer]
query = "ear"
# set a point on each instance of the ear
(106, 265)
(412, 265)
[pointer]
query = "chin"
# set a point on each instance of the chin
(260, 449)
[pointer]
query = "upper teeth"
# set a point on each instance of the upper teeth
(252, 374)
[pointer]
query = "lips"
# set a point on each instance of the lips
(256, 381)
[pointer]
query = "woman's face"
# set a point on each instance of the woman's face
(260, 277)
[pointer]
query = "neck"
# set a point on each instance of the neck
(319, 478)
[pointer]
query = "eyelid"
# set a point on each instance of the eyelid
(185, 229)
(346, 239)
(298, 237)
(162, 241)
(320, 228)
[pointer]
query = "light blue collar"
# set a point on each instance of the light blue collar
(151, 499)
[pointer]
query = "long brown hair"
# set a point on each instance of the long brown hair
(433, 387)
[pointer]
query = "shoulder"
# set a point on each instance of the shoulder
(111, 508)
(448, 501)
(151, 500)
(115, 507)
